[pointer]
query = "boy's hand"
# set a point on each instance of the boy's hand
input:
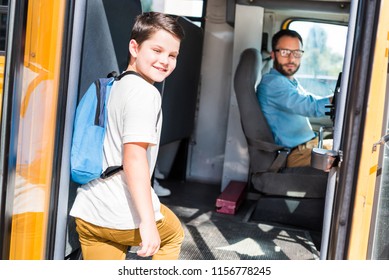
(150, 240)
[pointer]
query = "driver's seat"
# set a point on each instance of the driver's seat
(288, 195)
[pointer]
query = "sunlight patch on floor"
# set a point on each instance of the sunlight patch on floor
(247, 246)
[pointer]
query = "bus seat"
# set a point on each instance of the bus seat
(108, 26)
(180, 89)
(103, 31)
(179, 101)
(267, 172)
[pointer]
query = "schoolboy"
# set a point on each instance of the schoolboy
(124, 210)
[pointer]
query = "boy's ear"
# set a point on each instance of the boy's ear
(133, 48)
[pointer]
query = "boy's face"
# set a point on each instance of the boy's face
(156, 58)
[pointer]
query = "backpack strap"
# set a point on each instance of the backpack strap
(113, 74)
(125, 73)
(115, 169)
(111, 171)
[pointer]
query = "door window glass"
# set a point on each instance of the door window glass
(324, 47)
(380, 232)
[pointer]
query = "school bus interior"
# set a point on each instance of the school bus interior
(202, 139)
(50, 51)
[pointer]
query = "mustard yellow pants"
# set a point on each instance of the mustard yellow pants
(301, 155)
(100, 243)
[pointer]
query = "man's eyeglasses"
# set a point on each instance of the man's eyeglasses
(286, 52)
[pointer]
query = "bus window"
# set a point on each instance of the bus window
(324, 47)
(191, 9)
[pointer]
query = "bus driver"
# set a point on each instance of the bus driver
(284, 102)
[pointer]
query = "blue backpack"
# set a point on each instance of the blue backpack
(86, 159)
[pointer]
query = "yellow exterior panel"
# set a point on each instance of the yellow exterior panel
(41, 73)
(373, 129)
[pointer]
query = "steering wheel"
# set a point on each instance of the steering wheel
(332, 111)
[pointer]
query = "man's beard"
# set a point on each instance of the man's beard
(279, 67)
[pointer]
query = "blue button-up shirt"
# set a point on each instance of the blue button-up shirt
(287, 106)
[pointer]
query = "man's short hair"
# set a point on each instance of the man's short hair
(282, 33)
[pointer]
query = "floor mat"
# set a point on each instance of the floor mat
(214, 236)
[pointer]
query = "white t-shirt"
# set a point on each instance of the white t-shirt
(133, 110)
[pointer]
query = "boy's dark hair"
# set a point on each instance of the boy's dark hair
(148, 23)
(282, 33)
